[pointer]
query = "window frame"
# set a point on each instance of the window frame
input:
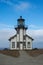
(28, 45)
(13, 44)
(24, 44)
(24, 37)
(18, 45)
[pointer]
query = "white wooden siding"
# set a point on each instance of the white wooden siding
(13, 40)
(28, 40)
(17, 37)
(24, 32)
(21, 35)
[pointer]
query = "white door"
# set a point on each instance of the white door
(21, 46)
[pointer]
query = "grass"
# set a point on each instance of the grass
(35, 53)
(14, 53)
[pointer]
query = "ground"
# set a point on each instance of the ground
(13, 53)
(16, 53)
(33, 57)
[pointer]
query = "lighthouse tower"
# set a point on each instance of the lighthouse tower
(21, 32)
(20, 40)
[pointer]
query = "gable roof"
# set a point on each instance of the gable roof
(16, 35)
(12, 37)
(29, 37)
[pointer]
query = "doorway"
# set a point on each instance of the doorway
(21, 46)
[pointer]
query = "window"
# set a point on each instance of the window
(24, 37)
(17, 31)
(13, 44)
(18, 45)
(28, 45)
(24, 45)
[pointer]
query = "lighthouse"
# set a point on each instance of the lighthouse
(20, 41)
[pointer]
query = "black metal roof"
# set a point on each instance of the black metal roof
(16, 35)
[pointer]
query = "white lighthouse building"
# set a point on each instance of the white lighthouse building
(20, 41)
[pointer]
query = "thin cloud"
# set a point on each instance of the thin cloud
(5, 34)
(5, 26)
(8, 2)
(24, 5)
(37, 36)
(32, 26)
(21, 5)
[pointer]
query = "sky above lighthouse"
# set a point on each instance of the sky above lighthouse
(30, 10)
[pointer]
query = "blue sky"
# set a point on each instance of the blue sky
(32, 12)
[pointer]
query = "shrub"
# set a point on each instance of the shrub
(35, 49)
(5, 49)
